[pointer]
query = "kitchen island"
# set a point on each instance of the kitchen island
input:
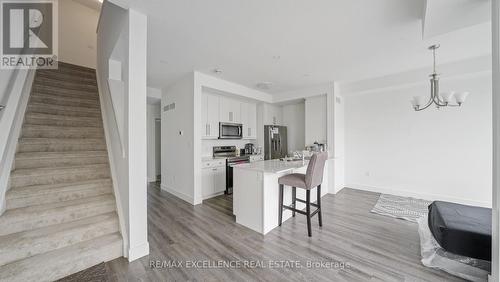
(256, 192)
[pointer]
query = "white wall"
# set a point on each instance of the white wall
(495, 27)
(294, 120)
(177, 135)
(77, 33)
(15, 99)
(137, 141)
(153, 112)
(122, 36)
(435, 154)
(315, 119)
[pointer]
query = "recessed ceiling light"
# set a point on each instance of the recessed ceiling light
(217, 71)
(264, 85)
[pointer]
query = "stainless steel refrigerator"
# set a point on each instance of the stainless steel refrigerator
(275, 142)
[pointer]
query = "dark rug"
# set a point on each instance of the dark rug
(96, 273)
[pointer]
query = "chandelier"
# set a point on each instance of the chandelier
(446, 99)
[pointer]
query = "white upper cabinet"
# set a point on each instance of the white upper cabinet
(229, 110)
(215, 109)
(249, 120)
(273, 115)
(209, 116)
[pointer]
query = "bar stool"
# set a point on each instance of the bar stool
(312, 178)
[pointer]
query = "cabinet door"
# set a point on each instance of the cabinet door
(220, 179)
(236, 110)
(252, 121)
(207, 182)
(229, 110)
(204, 116)
(224, 112)
(212, 103)
(244, 120)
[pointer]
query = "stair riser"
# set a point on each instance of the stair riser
(58, 268)
(49, 198)
(54, 100)
(62, 85)
(63, 95)
(61, 147)
(55, 216)
(65, 83)
(63, 121)
(82, 175)
(67, 77)
(41, 245)
(33, 132)
(71, 71)
(61, 111)
(43, 89)
(59, 162)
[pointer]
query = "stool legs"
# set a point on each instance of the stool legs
(294, 199)
(308, 212)
(280, 214)
(319, 206)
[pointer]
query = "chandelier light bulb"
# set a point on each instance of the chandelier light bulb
(460, 97)
(414, 102)
(447, 97)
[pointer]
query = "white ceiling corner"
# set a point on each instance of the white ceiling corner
(443, 16)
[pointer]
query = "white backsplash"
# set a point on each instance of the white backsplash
(207, 145)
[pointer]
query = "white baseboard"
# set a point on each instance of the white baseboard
(138, 251)
(425, 196)
(213, 195)
(179, 195)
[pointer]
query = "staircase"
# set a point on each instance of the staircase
(60, 213)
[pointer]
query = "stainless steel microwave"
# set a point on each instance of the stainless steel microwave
(230, 130)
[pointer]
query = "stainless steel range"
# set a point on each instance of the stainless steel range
(232, 158)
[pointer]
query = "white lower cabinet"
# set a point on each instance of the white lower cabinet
(213, 181)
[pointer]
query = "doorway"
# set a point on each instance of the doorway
(158, 149)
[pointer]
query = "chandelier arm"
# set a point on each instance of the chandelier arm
(431, 101)
(438, 102)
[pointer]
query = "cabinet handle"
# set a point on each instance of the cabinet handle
(230, 116)
(214, 169)
(206, 129)
(249, 131)
(209, 130)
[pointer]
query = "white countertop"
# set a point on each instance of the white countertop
(272, 166)
(211, 158)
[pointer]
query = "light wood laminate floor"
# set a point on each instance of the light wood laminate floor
(372, 247)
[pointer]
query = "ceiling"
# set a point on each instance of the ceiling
(442, 16)
(296, 44)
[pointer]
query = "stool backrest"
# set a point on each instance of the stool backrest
(314, 174)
